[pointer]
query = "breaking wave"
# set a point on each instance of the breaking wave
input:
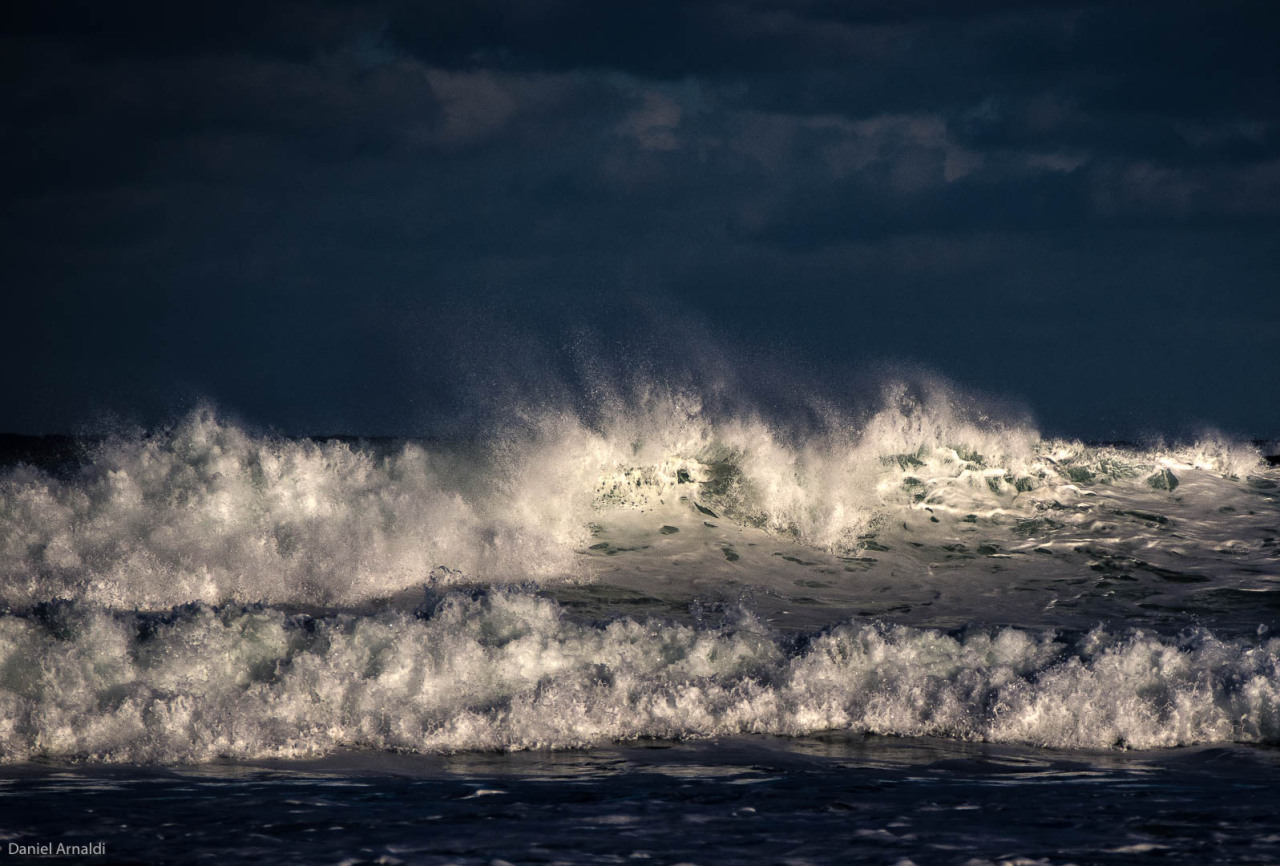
(205, 511)
(506, 670)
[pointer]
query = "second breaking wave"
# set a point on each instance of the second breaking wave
(507, 670)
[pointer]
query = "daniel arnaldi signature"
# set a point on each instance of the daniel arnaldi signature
(57, 849)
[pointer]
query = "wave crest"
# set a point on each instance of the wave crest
(205, 511)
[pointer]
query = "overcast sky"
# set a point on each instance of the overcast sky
(361, 216)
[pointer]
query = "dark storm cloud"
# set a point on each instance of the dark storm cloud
(1180, 56)
(214, 196)
(153, 28)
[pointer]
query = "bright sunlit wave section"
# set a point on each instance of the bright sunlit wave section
(205, 511)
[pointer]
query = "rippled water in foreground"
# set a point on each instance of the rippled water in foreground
(828, 799)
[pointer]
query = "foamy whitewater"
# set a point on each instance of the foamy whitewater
(202, 591)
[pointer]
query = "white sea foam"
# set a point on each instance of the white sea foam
(507, 671)
(207, 512)
(204, 511)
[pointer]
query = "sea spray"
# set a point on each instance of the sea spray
(205, 511)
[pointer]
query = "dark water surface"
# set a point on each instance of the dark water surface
(819, 799)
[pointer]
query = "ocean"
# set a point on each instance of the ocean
(663, 633)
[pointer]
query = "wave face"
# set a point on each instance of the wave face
(507, 671)
(660, 567)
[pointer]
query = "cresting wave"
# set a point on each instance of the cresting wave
(204, 511)
(203, 591)
(506, 670)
